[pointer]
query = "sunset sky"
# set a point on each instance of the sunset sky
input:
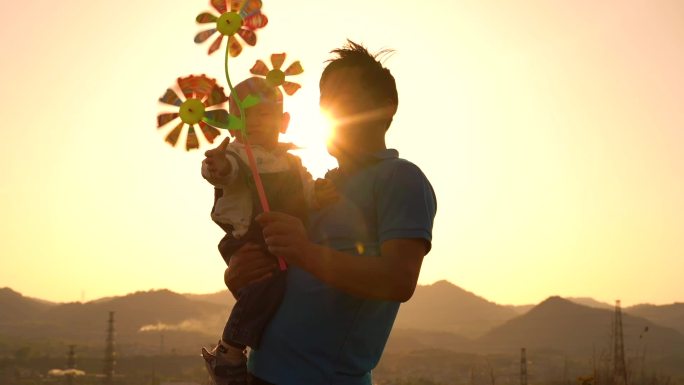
(552, 132)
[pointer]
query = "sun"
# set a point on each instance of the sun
(309, 129)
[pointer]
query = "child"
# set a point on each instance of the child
(289, 189)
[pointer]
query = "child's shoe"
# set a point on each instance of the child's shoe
(226, 365)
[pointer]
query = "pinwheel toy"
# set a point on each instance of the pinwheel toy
(238, 123)
(243, 18)
(276, 76)
(201, 104)
(200, 93)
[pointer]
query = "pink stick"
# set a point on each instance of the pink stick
(260, 191)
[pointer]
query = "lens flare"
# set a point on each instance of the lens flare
(328, 124)
(310, 129)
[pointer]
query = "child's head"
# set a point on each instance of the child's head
(266, 120)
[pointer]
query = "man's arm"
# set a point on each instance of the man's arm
(390, 276)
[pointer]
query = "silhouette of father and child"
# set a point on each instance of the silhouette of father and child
(353, 242)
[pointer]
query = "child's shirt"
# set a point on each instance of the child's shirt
(235, 205)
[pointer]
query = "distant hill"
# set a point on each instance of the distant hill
(588, 301)
(445, 307)
(17, 308)
(223, 298)
(520, 309)
(134, 311)
(665, 315)
(561, 325)
(140, 320)
(408, 340)
(439, 316)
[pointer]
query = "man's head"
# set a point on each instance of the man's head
(360, 94)
(266, 120)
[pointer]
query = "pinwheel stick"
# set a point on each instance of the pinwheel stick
(250, 155)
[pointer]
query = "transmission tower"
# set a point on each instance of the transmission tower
(109, 359)
(71, 363)
(523, 367)
(619, 367)
(71, 358)
(161, 342)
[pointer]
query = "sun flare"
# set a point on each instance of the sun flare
(310, 129)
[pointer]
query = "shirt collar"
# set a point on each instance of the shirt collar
(389, 153)
(370, 158)
(365, 160)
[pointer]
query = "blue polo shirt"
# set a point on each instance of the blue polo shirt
(321, 335)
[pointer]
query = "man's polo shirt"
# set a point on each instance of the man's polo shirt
(321, 335)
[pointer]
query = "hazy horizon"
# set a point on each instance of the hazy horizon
(624, 303)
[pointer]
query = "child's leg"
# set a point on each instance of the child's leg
(256, 305)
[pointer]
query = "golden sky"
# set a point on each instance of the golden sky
(552, 132)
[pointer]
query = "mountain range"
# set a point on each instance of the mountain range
(439, 316)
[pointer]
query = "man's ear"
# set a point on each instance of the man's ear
(285, 122)
(391, 107)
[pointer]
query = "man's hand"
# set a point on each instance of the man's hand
(216, 162)
(285, 236)
(325, 192)
(248, 265)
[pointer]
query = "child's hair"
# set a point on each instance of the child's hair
(375, 76)
(258, 87)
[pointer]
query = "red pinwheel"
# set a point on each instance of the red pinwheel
(276, 76)
(244, 18)
(199, 94)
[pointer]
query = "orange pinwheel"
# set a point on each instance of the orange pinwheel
(243, 18)
(199, 94)
(276, 76)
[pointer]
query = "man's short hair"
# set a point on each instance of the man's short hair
(374, 75)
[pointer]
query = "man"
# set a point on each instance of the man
(361, 256)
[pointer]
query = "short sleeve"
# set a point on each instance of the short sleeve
(406, 203)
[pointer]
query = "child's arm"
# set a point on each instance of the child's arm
(219, 168)
(317, 193)
(325, 192)
(218, 172)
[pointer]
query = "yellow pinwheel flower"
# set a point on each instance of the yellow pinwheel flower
(276, 76)
(200, 93)
(241, 17)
